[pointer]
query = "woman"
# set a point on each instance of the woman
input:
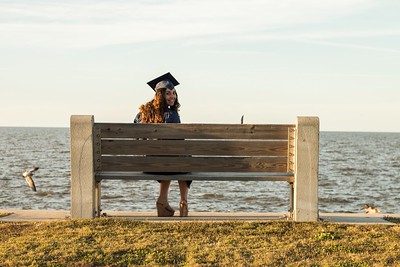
(164, 109)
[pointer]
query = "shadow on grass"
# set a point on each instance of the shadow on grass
(392, 219)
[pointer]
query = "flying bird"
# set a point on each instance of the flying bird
(370, 209)
(28, 177)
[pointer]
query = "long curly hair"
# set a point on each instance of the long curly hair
(153, 111)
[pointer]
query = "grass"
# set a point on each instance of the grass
(118, 242)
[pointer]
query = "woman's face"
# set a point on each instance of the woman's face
(170, 96)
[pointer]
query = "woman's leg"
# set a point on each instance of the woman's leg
(163, 208)
(164, 189)
(183, 206)
(184, 190)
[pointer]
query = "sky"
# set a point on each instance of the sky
(269, 60)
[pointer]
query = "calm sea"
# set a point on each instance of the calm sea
(355, 169)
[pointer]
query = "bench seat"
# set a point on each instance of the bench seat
(197, 176)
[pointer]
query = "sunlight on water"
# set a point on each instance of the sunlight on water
(355, 169)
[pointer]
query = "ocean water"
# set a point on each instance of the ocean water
(355, 168)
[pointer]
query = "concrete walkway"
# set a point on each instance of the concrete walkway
(49, 215)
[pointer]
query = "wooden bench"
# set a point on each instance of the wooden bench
(228, 152)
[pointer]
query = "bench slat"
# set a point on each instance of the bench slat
(194, 131)
(194, 147)
(203, 176)
(194, 164)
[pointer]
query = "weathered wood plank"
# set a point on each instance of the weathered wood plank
(97, 149)
(194, 147)
(194, 164)
(291, 150)
(193, 131)
(197, 176)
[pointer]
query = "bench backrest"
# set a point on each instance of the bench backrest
(194, 147)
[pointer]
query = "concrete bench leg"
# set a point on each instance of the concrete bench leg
(82, 170)
(306, 169)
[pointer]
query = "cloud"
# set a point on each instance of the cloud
(355, 46)
(80, 24)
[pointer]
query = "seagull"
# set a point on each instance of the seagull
(370, 209)
(28, 177)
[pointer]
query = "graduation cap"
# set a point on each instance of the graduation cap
(164, 81)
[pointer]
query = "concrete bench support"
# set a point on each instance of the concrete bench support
(82, 172)
(306, 166)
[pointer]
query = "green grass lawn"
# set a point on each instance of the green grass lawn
(118, 242)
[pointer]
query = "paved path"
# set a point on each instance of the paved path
(48, 215)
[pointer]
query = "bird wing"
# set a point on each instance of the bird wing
(30, 182)
(34, 169)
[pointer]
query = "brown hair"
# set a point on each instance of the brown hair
(153, 111)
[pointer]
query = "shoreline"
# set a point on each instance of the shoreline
(14, 215)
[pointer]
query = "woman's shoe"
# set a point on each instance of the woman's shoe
(183, 208)
(164, 210)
